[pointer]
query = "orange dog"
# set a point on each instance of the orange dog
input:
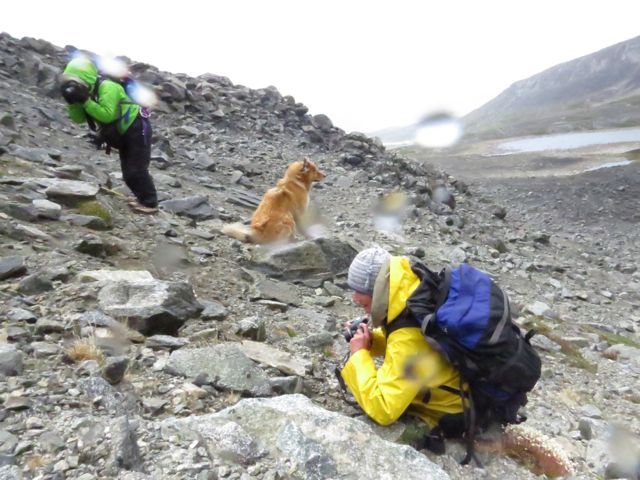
(281, 208)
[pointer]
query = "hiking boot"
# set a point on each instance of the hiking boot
(138, 207)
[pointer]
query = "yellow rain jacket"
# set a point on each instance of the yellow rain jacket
(385, 393)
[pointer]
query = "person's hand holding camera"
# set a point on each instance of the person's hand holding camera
(361, 339)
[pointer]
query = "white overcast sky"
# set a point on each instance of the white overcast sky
(366, 64)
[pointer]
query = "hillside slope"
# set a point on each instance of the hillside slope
(147, 347)
(599, 90)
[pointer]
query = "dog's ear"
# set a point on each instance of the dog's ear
(305, 164)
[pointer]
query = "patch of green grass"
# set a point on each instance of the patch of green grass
(413, 432)
(291, 332)
(574, 357)
(96, 209)
(327, 351)
(615, 338)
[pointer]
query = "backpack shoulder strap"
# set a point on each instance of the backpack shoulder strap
(443, 290)
(405, 320)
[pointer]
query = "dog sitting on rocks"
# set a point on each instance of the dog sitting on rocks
(282, 207)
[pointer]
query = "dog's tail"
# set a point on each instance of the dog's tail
(241, 232)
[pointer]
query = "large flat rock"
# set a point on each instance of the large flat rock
(150, 306)
(320, 444)
(225, 365)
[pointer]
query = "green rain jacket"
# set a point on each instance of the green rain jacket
(112, 103)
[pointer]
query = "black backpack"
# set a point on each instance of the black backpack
(466, 316)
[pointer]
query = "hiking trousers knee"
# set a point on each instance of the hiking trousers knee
(135, 155)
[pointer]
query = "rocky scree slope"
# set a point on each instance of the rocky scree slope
(122, 334)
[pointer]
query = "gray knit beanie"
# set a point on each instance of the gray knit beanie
(365, 268)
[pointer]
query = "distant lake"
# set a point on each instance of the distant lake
(568, 141)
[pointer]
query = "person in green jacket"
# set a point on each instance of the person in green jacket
(120, 123)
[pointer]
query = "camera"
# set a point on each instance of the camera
(353, 327)
(74, 92)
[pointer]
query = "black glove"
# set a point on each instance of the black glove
(95, 139)
(74, 92)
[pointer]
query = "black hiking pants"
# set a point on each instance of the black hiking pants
(135, 155)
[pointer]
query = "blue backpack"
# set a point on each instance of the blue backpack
(465, 315)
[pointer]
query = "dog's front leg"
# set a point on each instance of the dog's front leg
(300, 228)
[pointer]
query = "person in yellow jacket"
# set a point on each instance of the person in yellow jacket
(382, 285)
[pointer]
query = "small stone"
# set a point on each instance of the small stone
(10, 361)
(333, 289)
(8, 442)
(51, 442)
(114, 369)
(499, 212)
(44, 349)
(23, 446)
(17, 403)
(542, 238)
(194, 391)
(286, 385)
(591, 411)
(201, 251)
(12, 267)
(46, 209)
(35, 423)
(45, 326)
(538, 308)
(186, 131)
(166, 342)
(35, 284)
(213, 310)
(274, 305)
(586, 429)
(61, 466)
(21, 315)
(253, 328)
(154, 405)
(91, 245)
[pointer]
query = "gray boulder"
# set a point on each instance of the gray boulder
(46, 209)
(114, 369)
(213, 310)
(35, 284)
(196, 207)
(319, 257)
(279, 291)
(91, 245)
(321, 444)
(70, 192)
(150, 306)
(33, 154)
(12, 267)
(225, 366)
(19, 211)
(253, 328)
(10, 361)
